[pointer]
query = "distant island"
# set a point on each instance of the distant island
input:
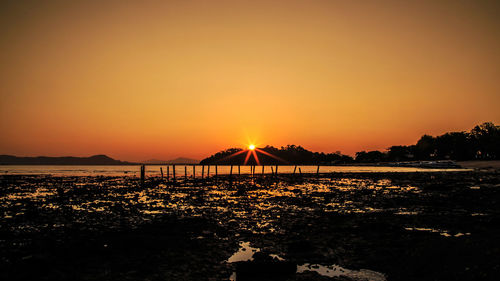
(67, 160)
(481, 143)
(290, 154)
(92, 160)
(179, 160)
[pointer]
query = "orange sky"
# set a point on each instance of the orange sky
(146, 79)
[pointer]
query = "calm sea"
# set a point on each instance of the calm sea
(154, 170)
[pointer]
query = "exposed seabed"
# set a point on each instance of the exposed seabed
(344, 226)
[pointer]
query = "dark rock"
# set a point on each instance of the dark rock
(264, 267)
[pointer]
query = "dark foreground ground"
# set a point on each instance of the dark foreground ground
(404, 226)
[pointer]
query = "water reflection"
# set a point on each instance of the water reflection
(251, 206)
(154, 170)
(338, 271)
(445, 233)
(245, 253)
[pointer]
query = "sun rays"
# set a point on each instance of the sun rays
(270, 155)
(253, 151)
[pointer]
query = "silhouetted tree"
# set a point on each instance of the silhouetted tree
(370, 156)
(425, 148)
(483, 142)
(400, 153)
(290, 154)
(455, 146)
(486, 139)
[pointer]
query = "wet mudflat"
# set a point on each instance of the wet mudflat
(346, 226)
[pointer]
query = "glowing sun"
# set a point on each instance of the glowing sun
(251, 147)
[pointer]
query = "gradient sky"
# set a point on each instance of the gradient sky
(160, 79)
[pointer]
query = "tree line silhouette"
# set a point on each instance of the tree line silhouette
(290, 154)
(481, 143)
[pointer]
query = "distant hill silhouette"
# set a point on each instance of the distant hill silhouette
(68, 160)
(179, 160)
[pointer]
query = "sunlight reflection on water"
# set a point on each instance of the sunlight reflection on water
(154, 170)
(254, 207)
(245, 253)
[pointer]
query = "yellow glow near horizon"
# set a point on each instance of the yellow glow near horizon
(251, 147)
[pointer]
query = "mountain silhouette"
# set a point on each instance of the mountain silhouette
(66, 160)
(179, 160)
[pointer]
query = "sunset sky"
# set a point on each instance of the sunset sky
(161, 79)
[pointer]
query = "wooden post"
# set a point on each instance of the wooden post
(317, 171)
(185, 172)
(161, 171)
(253, 170)
(143, 173)
(294, 169)
(194, 171)
(168, 172)
(208, 171)
(272, 170)
(202, 171)
(276, 169)
(173, 172)
(300, 171)
(238, 170)
(262, 169)
(216, 172)
(231, 171)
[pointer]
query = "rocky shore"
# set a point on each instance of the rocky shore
(343, 226)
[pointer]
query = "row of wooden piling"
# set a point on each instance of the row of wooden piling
(274, 171)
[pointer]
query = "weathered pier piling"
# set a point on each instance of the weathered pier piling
(228, 171)
(143, 174)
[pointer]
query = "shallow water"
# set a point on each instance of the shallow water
(257, 207)
(337, 271)
(245, 253)
(154, 170)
